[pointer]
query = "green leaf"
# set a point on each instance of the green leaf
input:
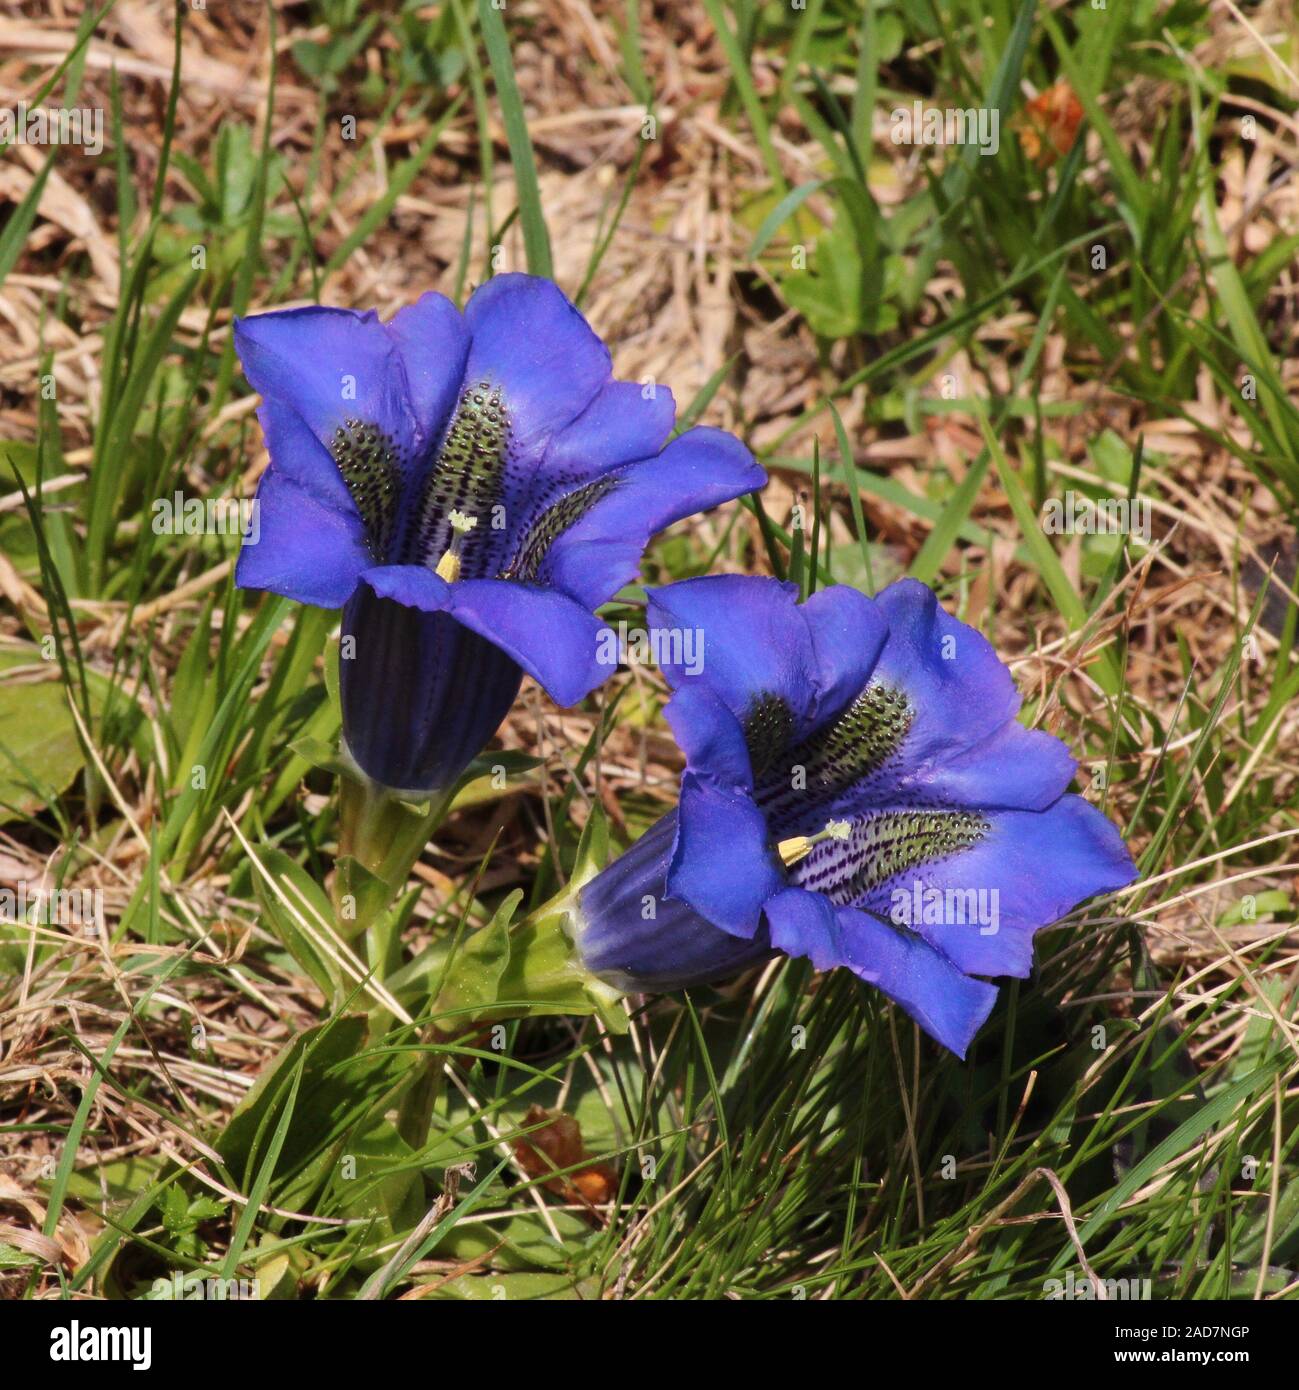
(492, 776)
(474, 976)
(948, 526)
(522, 1243)
(738, 61)
(780, 214)
(829, 295)
(13, 1258)
(261, 1186)
(296, 910)
(384, 1279)
(118, 1181)
(1262, 904)
(592, 848)
(382, 1183)
(516, 1288)
(316, 752)
(40, 752)
(543, 975)
(337, 1089)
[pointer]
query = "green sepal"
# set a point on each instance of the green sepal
(470, 977)
(592, 849)
(545, 971)
(325, 756)
(504, 971)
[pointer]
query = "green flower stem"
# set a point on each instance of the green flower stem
(494, 973)
(503, 973)
(380, 837)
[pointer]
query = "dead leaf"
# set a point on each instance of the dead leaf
(1048, 126)
(558, 1144)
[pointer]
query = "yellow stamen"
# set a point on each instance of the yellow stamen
(800, 846)
(448, 567)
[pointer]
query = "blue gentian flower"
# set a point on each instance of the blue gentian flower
(467, 488)
(857, 791)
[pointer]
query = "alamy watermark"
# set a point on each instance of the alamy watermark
(1076, 514)
(1079, 1286)
(192, 1285)
(52, 907)
(179, 515)
(919, 124)
(53, 125)
(660, 646)
(921, 906)
(94, 1343)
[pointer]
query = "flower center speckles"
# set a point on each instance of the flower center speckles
(882, 845)
(861, 740)
(842, 755)
(371, 466)
(768, 726)
(550, 523)
(798, 787)
(465, 477)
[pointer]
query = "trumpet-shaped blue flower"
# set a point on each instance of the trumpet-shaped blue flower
(467, 488)
(858, 791)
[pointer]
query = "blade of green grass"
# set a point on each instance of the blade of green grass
(536, 239)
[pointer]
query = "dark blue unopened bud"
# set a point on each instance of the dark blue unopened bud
(629, 934)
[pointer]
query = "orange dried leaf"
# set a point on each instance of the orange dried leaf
(1048, 125)
(558, 1144)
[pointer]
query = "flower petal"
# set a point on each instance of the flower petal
(848, 632)
(421, 693)
(307, 548)
(963, 746)
(433, 342)
(754, 641)
(620, 425)
(786, 665)
(710, 736)
(804, 924)
(722, 863)
(555, 640)
(632, 935)
(411, 585)
(1019, 768)
(949, 667)
(981, 906)
(530, 340)
(947, 1004)
(340, 374)
(328, 365)
(600, 551)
